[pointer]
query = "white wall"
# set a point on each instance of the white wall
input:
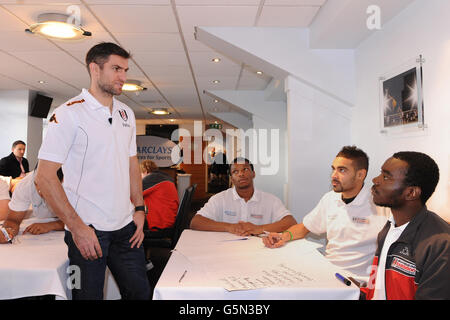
(318, 127)
(14, 118)
(15, 124)
(422, 28)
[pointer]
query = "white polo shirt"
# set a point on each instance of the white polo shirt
(228, 206)
(26, 195)
(5, 183)
(351, 229)
(95, 157)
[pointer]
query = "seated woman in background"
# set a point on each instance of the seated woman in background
(160, 196)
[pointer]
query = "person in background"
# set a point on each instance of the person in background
(346, 214)
(15, 165)
(25, 195)
(412, 260)
(243, 209)
(160, 196)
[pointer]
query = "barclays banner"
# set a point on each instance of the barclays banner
(156, 149)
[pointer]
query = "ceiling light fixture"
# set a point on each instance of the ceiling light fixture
(56, 26)
(133, 85)
(216, 60)
(259, 72)
(160, 111)
(42, 82)
(216, 81)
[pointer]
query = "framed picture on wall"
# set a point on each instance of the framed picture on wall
(401, 99)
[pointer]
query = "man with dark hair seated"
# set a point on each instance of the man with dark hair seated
(242, 209)
(160, 196)
(412, 257)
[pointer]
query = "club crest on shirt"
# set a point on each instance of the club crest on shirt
(402, 265)
(123, 115)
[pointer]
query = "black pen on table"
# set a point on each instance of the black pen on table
(182, 276)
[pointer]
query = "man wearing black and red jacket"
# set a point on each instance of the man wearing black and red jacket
(412, 260)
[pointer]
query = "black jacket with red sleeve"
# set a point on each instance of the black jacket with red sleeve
(418, 263)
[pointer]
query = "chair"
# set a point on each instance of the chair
(168, 238)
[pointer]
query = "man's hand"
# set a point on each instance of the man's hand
(38, 228)
(250, 228)
(2, 236)
(86, 241)
(138, 236)
(274, 240)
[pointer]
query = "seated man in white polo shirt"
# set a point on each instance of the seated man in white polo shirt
(24, 196)
(243, 210)
(346, 214)
(7, 185)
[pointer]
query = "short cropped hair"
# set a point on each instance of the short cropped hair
(16, 143)
(422, 172)
(148, 166)
(359, 157)
(240, 160)
(100, 53)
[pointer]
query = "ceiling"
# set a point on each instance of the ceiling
(174, 67)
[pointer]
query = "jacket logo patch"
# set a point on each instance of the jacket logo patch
(405, 251)
(404, 266)
(123, 115)
(53, 119)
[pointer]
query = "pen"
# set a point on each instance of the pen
(6, 234)
(182, 276)
(343, 279)
(354, 281)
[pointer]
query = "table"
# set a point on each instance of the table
(37, 265)
(202, 264)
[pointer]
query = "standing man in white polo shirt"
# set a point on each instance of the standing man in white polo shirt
(93, 137)
(346, 214)
(243, 210)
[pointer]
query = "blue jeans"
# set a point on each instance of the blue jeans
(127, 265)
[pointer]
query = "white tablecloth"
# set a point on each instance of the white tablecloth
(36, 265)
(206, 257)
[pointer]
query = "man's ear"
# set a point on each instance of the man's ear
(413, 193)
(93, 68)
(361, 174)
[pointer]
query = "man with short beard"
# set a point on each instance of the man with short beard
(346, 214)
(93, 136)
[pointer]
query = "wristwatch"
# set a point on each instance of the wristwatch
(139, 208)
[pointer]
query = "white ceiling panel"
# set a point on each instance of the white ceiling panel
(287, 16)
(160, 58)
(217, 2)
(136, 18)
(8, 22)
(12, 41)
(151, 41)
(129, 2)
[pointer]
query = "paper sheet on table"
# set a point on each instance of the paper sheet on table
(280, 275)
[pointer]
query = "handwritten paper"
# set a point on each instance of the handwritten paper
(280, 275)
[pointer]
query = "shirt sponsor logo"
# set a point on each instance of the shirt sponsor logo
(74, 102)
(256, 216)
(404, 266)
(53, 119)
(405, 251)
(360, 220)
(230, 213)
(123, 115)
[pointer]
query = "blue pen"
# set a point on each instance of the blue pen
(236, 239)
(343, 279)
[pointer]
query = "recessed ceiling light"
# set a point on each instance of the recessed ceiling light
(42, 82)
(160, 111)
(216, 101)
(133, 85)
(55, 25)
(259, 72)
(216, 60)
(216, 81)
